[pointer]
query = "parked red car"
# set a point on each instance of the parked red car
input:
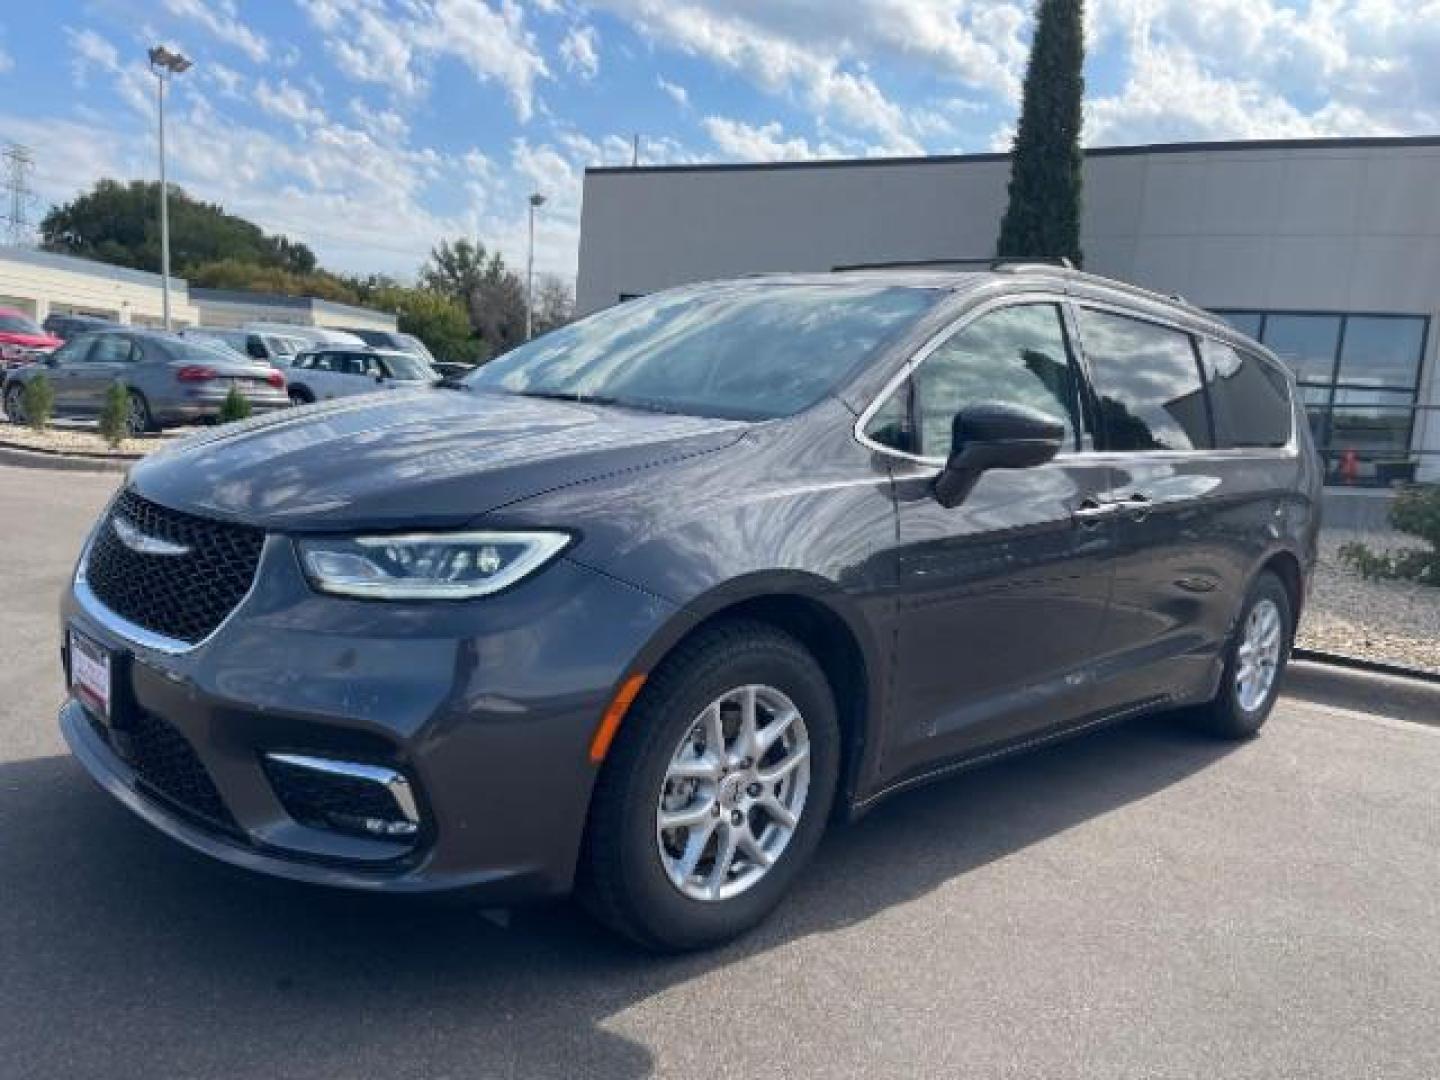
(22, 340)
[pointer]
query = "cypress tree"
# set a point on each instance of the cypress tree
(1043, 218)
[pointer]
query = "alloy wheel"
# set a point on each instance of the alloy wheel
(1258, 656)
(733, 793)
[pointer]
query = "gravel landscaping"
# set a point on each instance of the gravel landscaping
(1387, 621)
(74, 439)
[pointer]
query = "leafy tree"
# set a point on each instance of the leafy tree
(1043, 217)
(236, 406)
(114, 414)
(554, 303)
(39, 401)
(492, 294)
(236, 274)
(120, 224)
(436, 319)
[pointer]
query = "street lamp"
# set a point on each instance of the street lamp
(165, 65)
(536, 201)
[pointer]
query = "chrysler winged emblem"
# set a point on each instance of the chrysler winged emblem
(133, 537)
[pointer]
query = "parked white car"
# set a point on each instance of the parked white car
(322, 374)
(312, 337)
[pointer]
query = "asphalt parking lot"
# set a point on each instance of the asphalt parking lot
(1137, 903)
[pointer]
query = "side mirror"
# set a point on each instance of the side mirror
(995, 435)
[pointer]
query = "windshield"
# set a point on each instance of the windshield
(743, 350)
(19, 324)
(416, 346)
(407, 368)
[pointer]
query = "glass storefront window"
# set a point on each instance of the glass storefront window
(1358, 376)
(1382, 351)
(1306, 342)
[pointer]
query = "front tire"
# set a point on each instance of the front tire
(15, 403)
(1255, 662)
(300, 396)
(715, 793)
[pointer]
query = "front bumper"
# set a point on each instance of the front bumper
(487, 707)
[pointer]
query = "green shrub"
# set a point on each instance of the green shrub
(39, 402)
(1415, 512)
(235, 407)
(115, 415)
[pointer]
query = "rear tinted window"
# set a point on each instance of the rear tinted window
(1250, 400)
(19, 324)
(1147, 383)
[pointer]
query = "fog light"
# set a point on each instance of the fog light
(346, 796)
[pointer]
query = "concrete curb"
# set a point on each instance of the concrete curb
(37, 459)
(1396, 696)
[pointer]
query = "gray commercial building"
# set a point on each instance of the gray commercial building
(1327, 250)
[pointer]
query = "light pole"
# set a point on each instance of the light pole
(536, 201)
(165, 65)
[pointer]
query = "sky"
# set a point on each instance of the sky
(370, 129)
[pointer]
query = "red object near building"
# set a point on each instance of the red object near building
(1349, 466)
(22, 340)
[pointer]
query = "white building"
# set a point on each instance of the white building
(236, 307)
(1328, 250)
(41, 284)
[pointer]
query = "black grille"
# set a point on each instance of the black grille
(167, 766)
(327, 800)
(180, 596)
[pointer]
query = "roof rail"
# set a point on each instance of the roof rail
(987, 262)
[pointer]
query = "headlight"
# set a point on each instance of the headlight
(429, 566)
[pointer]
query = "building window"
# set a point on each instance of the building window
(1359, 377)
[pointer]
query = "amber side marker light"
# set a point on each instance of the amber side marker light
(614, 713)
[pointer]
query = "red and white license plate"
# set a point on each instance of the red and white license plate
(90, 674)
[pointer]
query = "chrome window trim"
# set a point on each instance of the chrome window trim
(1069, 304)
(392, 780)
(136, 634)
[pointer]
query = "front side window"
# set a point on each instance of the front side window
(110, 349)
(1015, 355)
(15, 323)
(1249, 399)
(1147, 383)
(405, 368)
(744, 350)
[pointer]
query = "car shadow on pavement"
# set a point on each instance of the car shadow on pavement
(123, 955)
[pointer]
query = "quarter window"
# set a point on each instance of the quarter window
(1147, 383)
(1016, 355)
(1248, 398)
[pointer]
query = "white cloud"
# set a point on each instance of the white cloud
(375, 41)
(580, 51)
(1260, 68)
(221, 19)
(6, 61)
(380, 123)
(676, 92)
(763, 142)
(228, 80)
(288, 102)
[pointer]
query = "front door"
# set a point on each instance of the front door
(1002, 597)
(106, 363)
(63, 369)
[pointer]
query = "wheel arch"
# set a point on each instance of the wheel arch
(816, 614)
(1285, 565)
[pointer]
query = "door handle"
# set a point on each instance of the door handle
(1091, 512)
(1138, 505)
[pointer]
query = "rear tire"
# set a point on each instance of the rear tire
(300, 396)
(137, 417)
(632, 875)
(1255, 660)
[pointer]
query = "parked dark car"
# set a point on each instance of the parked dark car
(660, 593)
(168, 380)
(65, 327)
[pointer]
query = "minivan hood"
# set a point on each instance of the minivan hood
(410, 460)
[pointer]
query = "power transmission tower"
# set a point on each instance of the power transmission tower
(17, 162)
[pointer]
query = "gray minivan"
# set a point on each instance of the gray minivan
(654, 597)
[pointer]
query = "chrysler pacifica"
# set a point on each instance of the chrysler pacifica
(649, 600)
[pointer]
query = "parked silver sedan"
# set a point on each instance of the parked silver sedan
(169, 380)
(342, 372)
